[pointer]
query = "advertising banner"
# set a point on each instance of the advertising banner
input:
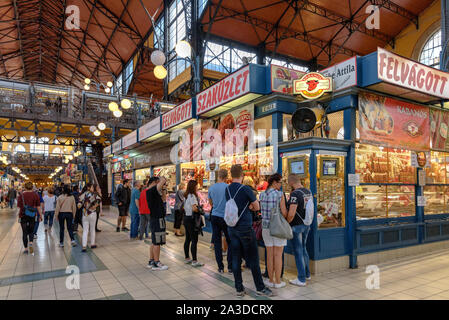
(343, 74)
(129, 140)
(117, 146)
(439, 124)
(393, 123)
(230, 88)
(177, 115)
(282, 79)
(410, 74)
(150, 129)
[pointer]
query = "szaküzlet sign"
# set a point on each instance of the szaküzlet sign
(409, 74)
(228, 89)
(178, 115)
(312, 85)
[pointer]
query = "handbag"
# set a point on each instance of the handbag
(29, 211)
(257, 227)
(279, 227)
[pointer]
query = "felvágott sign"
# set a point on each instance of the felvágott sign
(228, 89)
(177, 115)
(343, 74)
(406, 73)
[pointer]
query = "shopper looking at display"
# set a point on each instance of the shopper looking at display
(179, 211)
(191, 207)
(217, 200)
(243, 238)
(269, 200)
(144, 210)
(28, 201)
(123, 199)
(296, 215)
(134, 210)
(155, 199)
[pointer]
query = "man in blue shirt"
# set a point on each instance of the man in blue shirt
(134, 210)
(217, 200)
(243, 238)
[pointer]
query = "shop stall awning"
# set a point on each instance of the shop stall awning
(389, 73)
(240, 87)
(117, 146)
(179, 117)
(130, 140)
(151, 131)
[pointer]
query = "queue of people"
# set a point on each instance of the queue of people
(37, 206)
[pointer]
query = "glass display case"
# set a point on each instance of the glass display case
(169, 172)
(331, 191)
(297, 164)
(438, 173)
(436, 189)
(143, 174)
(437, 199)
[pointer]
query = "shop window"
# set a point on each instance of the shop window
(19, 148)
(384, 165)
(430, 54)
(437, 199)
(265, 123)
(438, 171)
(385, 201)
(436, 189)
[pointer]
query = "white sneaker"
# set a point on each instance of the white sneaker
(269, 284)
(279, 285)
(159, 266)
(197, 264)
(309, 278)
(298, 283)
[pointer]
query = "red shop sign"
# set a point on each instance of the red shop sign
(178, 115)
(409, 74)
(228, 89)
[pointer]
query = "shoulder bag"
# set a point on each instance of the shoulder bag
(279, 227)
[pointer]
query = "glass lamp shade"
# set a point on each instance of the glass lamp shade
(126, 104)
(157, 57)
(118, 113)
(86, 87)
(160, 72)
(92, 128)
(183, 49)
(97, 133)
(101, 126)
(109, 84)
(113, 106)
(87, 81)
(107, 90)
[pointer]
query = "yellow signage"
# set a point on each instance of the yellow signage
(312, 85)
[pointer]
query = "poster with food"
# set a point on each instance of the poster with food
(393, 123)
(239, 119)
(282, 79)
(439, 124)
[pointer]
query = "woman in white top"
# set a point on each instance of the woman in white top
(49, 209)
(190, 207)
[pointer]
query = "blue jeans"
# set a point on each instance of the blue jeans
(66, 217)
(244, 244)
(219, 226)
(135, 221)
(298, 246)
(11, 203)
(48, 218)
(36, 226)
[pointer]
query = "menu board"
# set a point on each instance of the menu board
(439, 124)
(393, 123)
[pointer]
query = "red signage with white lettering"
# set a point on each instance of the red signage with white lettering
(228, 89)
(406, 73)
(177, 115)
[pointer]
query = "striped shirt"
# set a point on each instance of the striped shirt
(268, 200)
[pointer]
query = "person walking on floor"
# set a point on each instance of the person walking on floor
(12, 194)
(30, 210)
(273, 199)
(99, 209)
(157, 223)
(217, 199)
(49, 209)
(88, 203)
(123, 199)
(144, 210)
(296, 215)
(134, 210)
(36, 224)
(191, 208)
(179, 210)
(65, 212)
(78, 220)
(243, 238)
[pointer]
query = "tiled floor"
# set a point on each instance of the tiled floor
(117, 270)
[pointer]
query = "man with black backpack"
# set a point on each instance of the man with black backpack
(300, 216)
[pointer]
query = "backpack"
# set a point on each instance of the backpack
(231, 216)
(309, 209)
